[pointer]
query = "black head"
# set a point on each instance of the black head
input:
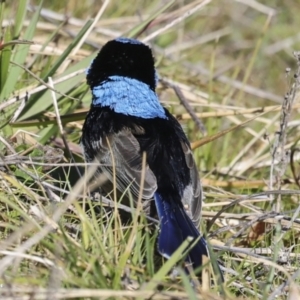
(123, 57)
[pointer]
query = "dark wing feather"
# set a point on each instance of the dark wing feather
(122, 150)
(193, 194)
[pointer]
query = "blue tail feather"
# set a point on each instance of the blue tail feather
(175, 227)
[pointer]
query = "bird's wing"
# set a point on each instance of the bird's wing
(193, 194)
(122, 151)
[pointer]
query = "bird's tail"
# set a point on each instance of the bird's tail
(175, 227)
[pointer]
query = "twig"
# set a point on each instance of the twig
(233, 203)
(186, 105)
(39, 88)
(59, 123)
(279, 153)
(84, 37)
(176, 21)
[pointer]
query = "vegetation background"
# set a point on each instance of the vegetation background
(229, 71)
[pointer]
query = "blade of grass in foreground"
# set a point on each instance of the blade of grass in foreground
(20, 17)
(2, 6)
(5, 55)
(166, 268)
(139, 28)
(38, 103)
(19, 56)
(69, 49)
(187, 285)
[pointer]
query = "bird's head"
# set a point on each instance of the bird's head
(123, 57)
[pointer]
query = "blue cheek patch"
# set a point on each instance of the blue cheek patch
(129, 97)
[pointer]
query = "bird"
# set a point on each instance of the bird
(125, 120)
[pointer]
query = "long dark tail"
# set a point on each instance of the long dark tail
(175, 227)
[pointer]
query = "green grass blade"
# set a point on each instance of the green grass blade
(20, 17)
(5, 55)
(69, 49)
(187, 285)
(166, 268)
(2, 6)
(139, 28)
(46, 43)
(39, 103)
(19, 57)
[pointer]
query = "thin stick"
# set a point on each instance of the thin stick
(83, 39)
(176, 21)
(59, 123)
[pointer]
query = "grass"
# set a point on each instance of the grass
(233, 64)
